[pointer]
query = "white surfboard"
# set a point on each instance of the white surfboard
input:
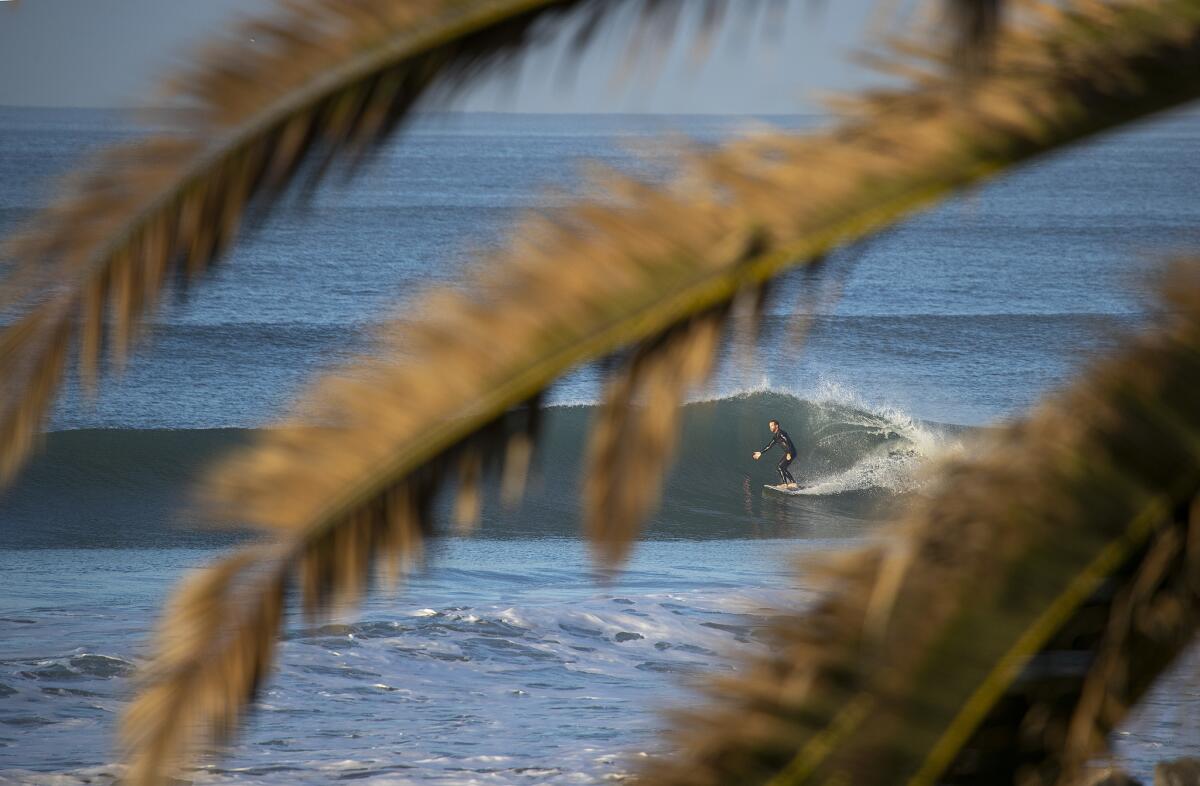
(791, 492)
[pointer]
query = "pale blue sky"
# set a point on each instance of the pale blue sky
(112, 52)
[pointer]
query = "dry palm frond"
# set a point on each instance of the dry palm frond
(635, 436)
(211, 644)
(1039, 591)
(638, 268)
(978, 20)
(282, 98)
(216, 643)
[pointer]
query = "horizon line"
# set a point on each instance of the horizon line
(432, 112)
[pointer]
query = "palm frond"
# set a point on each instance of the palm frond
(1004, 628)
(976, 23)
(211, 643)
(649, 266)
(217, 639)
(634, 439)
(321, 80)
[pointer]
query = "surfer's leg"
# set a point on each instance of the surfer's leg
(784, 463)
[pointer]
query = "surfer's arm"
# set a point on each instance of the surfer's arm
(758, 453)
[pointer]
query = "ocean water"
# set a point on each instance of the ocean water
(506, 660)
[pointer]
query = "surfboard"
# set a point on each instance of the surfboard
(785, 489)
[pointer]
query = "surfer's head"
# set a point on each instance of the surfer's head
(773, 425)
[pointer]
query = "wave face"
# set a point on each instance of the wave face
(115, 488)
(131, 488)
(850, 454)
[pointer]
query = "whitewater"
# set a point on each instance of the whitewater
(507, 658)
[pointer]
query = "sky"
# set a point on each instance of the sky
(110, 53)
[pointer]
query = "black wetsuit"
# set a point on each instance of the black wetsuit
(782, 439)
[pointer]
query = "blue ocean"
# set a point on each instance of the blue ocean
(507, 659)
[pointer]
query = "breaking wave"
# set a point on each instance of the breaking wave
(120, 488)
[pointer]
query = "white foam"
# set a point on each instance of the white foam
(877, 472)
(893, 468)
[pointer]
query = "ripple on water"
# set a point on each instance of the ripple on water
(52, 671)
(334, 644)
(103, 666)
(26, 721)
(350, 672)
(433, 650)
(580, 630)
(694, 649)
(669, 667)
(55, 690)
(481, 647)
(79, 667)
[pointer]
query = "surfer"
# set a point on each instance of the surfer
(780, 437)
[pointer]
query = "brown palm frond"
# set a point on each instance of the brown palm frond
(217, 639)
(635, 267)
(282, 98)
(210, 643)
(975, 24)
(1030, 602)
(635, 435)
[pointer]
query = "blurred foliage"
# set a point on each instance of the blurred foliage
(1070, 538)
